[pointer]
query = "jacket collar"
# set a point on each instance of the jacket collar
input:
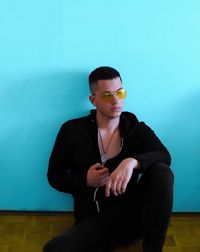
(126, 124)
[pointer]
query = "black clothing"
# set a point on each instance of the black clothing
(142, 211)
(144, 215)
(76, 149)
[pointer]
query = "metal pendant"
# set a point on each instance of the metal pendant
(104, 157)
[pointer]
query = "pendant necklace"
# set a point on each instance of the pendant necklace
(104, 154)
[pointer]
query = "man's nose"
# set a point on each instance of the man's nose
(114, 99)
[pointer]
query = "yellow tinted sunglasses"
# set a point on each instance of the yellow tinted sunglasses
(108, 96)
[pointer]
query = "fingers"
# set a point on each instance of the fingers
(97, 175)
(103, 181)
(100, 168)
(117, 187)
(111, 186)
(103, 176)
(96, 166)
(107, 189)
(123, 186)
(102, 171)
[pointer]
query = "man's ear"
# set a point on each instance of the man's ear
(92, 100)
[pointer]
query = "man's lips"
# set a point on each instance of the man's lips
(116, 108)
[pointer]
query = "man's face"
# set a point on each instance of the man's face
(108, 97)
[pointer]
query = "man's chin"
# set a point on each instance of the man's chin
(115, 114)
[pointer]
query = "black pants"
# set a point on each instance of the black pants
(145, 215)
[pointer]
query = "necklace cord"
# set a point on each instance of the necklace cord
(105, 150)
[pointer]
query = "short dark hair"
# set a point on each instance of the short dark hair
(102, 73)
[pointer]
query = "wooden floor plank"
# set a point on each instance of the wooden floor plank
(29, 232)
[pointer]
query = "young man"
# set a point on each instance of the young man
(97, 159)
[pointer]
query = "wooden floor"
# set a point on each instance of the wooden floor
(29, 232)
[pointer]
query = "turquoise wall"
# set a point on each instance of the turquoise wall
(47, 49)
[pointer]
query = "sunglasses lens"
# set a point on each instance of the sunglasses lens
(107, 97)
(121, 94)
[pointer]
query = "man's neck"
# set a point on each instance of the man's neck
(108, 124)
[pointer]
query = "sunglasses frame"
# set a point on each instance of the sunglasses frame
(107, 96)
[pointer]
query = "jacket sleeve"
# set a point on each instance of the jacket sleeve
(61, 174)
(150, 148)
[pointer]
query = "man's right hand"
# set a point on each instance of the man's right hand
(97, 175)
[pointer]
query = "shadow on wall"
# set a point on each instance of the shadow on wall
(33, 109)
(185, 149)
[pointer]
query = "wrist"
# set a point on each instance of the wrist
(134, 163)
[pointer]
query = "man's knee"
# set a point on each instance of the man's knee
(54, 246)
(161, 173)
(49, 247)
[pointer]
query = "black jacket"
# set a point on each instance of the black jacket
(76, 149)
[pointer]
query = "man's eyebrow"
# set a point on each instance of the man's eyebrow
(107, 91)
